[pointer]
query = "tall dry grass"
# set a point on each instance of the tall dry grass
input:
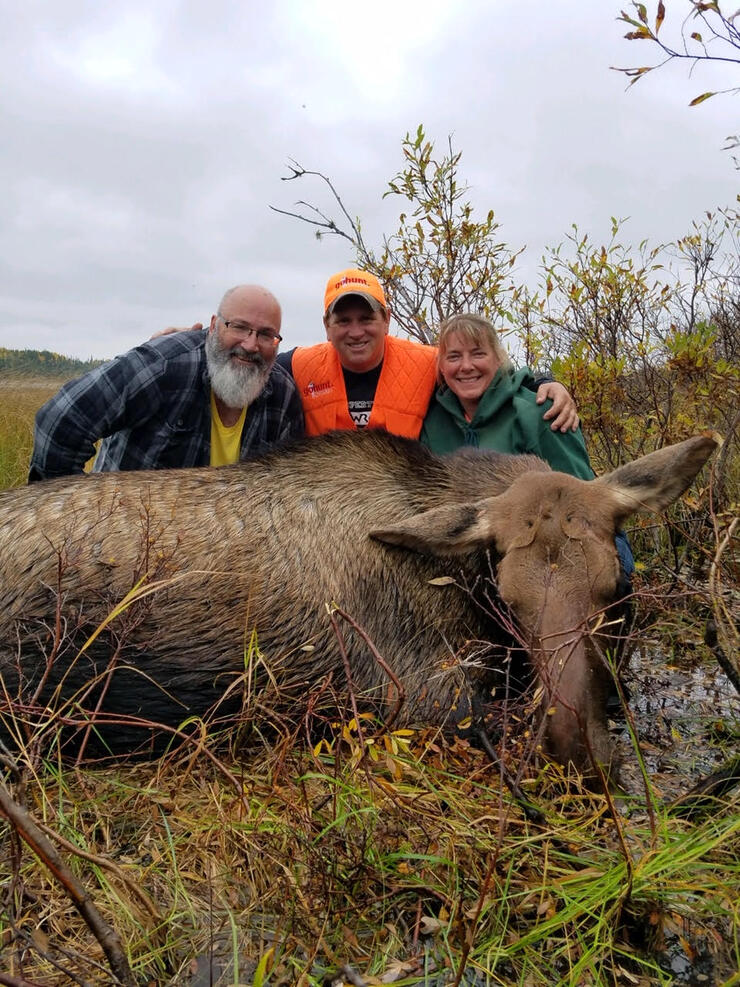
(20, 399)
(405, 863)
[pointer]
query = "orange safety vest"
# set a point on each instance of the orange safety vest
(401, 400)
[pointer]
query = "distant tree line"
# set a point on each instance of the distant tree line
(43, 363)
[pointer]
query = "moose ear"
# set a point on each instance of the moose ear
(452, 529)
(654, 481)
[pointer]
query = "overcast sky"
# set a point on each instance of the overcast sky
(144, 141)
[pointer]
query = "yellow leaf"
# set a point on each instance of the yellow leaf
(660, 16)
(259, 973)
(700, 99)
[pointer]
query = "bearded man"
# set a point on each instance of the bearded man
(203, 398)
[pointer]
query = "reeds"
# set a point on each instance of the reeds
(410, 860)
(19, 401)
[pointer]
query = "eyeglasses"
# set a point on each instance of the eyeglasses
(265, 337)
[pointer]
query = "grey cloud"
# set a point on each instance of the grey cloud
(144, 143)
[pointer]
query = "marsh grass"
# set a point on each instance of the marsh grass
(409, 860)
(20, 399)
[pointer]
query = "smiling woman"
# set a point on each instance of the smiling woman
(470, 354)
(482, 401)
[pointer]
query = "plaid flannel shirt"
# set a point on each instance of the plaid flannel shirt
(151, 407)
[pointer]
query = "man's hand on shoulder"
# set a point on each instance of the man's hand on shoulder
(170, 329)
(563, 413)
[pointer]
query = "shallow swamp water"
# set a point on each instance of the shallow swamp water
(687, 715)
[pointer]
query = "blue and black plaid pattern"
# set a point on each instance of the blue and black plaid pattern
(151, 408)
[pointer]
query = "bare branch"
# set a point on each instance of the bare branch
(108, 938)
(298, 171)
(440, 260)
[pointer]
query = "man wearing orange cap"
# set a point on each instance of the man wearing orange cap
(364, 377)
(361, 376)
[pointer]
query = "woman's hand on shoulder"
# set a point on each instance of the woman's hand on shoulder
(563, 414)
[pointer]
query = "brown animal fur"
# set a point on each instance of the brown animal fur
(267, 544)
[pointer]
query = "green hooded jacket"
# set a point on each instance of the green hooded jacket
(508, 419)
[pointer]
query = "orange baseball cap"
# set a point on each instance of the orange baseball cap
(354, 282)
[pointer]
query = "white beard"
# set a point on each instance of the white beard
(236, 384)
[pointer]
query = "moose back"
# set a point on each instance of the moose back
(157, 596)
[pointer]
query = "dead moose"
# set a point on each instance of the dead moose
(365, 521)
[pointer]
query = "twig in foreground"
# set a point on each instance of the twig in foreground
(42, 847)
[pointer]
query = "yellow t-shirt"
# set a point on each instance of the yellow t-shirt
(226, 440)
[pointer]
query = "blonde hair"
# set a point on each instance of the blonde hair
(472, 329)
